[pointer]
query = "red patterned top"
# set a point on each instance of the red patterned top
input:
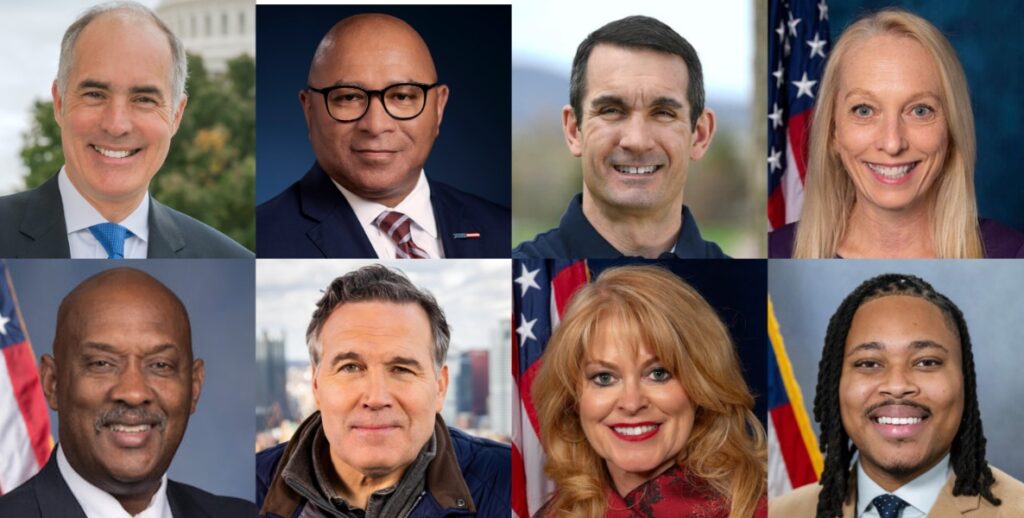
(675, 493)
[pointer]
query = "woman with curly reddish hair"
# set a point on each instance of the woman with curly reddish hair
(643, 408)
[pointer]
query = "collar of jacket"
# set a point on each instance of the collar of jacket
(444, 476)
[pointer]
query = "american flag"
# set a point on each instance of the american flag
(798, 42)
(25, 440)
(541, 292)
(793, 456)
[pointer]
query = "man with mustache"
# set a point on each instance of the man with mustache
(377, 446)
(896, 385)
(123, 382)
(636, 118)
(373, 105)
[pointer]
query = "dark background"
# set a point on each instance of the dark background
(987, 40)
(471, 47)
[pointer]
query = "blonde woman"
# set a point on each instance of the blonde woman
(891, 164)
(643, 408)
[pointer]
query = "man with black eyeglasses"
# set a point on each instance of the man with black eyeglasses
(373, 105)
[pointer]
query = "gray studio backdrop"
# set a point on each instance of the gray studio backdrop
(805, 293)
(216, 453)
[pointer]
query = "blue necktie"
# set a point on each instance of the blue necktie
(888, 506)
(111, 236)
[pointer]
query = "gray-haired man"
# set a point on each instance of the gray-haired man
(377, 447)
(118, 98)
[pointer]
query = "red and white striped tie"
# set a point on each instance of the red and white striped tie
(398, 227)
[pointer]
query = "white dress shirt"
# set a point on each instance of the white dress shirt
(97, 503)
(79, 215)
(416, 205)
(919, 493)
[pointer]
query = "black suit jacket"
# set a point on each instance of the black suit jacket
(33, 227)
(312, 219)
(47, 495)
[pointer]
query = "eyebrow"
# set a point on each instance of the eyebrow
(100, 85)
(397, 360)
(866, 93)
(916, 345)
(108, 348)
(609, 365)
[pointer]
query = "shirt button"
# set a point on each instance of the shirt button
(460, 503)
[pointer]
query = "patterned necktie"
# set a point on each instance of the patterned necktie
(889, 506)
(111, 236)
(398, 227)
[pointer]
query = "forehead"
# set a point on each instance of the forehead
(897, 320)
(127, 316)
(375, 53)
(619, 340)
(631, 72)
(122, 48)
(889, 64)
(374, 326)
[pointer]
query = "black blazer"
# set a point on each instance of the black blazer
(47, 495)
(312, 219)
(33, 227)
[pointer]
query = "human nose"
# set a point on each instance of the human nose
(117, 119)
(376, 119)
(898, 383)
(632, 399)
(131, 387)
(636, 134)
(892, 138)
(377, 392)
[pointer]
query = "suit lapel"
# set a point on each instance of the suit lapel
(338, 233)
(165, 238)
(182, 504)
(451, 220)
(44, 223)
(948, 505)
(53, 494)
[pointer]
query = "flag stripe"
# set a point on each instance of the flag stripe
(792, 390)
(21, 368)
(17, 462)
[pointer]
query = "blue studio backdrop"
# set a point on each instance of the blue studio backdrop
(987, 40)
(471, 47)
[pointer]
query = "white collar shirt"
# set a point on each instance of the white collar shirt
(416, 206)
(79, 215)
(97, 503)
(920, 494)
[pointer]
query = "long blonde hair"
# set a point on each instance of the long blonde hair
(830, 194)
(726, 447)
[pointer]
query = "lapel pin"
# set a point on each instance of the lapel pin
(466, 235)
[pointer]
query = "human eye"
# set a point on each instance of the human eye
(862, 111)
(922, 111)
(349, 368)
(659, 374)
(929, 363)
(404, 94)
(866, 364)
(603, 379)
(100, 365)
(147, 100)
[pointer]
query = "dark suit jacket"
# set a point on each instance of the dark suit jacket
(33, 227)
(312, 219)
(47, 495)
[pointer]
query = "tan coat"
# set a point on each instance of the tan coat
(803, 502)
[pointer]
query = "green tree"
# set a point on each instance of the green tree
(210, 171)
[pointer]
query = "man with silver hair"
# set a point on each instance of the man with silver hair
(377, 446)
(118, 98)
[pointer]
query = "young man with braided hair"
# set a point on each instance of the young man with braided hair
(896, 384)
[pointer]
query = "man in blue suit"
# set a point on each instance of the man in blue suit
(373, 107)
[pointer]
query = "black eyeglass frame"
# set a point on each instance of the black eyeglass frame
(370, 94)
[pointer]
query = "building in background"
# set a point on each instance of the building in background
(217, 31)
(272, 405)
(499, 404)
